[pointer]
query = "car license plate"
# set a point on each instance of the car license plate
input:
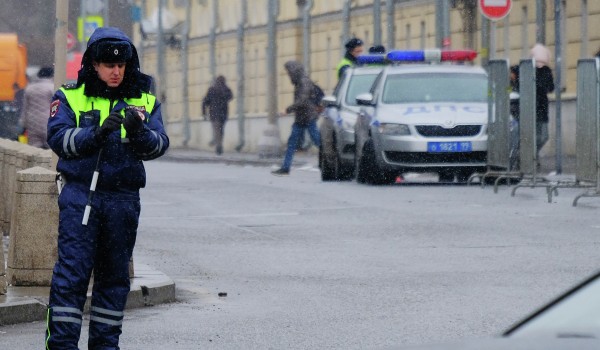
(439, 147)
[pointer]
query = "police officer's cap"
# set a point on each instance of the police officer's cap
(353, 43)
(112, 51)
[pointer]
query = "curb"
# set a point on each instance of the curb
(148, 288)
(23, 311)
(236, 158)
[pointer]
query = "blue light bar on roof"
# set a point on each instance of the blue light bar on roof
(371, 59)
(414, 55)
(432, 55)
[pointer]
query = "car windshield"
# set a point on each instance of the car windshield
(359, 84)
(435, 87)
(575, 315)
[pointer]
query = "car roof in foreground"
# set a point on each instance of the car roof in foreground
(529, 343)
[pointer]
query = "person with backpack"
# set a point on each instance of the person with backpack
(306, 110)
(316, 96)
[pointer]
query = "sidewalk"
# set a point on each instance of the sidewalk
(239, 158)
(548, 163)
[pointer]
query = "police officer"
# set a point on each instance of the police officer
(354, 47)
(108, 122)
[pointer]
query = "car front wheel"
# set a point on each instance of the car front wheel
(367, 169)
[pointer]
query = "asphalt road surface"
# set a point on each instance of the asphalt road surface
(263, 262)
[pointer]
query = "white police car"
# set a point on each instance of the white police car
(336, 156)
(423, 118)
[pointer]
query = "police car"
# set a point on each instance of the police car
(423, 118)
(336, 155)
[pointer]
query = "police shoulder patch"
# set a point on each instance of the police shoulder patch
(54, 108)
(70, 86)
(137, 108)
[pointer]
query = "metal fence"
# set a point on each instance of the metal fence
(527, 122)
(498, 115)
(588, 122)
(500, 164)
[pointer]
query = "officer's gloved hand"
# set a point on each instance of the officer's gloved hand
(133, 122)
(112, 123)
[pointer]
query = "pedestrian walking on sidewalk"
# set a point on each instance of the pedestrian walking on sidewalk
(217, 100)
(102, 128)
(544, 84)
(36, 104)
(306, 113)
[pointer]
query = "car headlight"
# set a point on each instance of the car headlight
(394, 129)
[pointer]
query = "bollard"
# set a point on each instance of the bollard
(3, 160)
(32, 249)
(2, 270)
(7, 178)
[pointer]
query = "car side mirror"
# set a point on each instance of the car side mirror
(329, 101)
(365, 99)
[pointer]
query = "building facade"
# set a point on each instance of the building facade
(313, 32)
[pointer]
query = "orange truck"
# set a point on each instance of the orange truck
(13, 78)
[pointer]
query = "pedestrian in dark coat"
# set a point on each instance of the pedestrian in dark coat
(544, 84)
(217, 100)
(305, 110)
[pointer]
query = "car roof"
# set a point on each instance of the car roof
(435, 68)
(360, 70)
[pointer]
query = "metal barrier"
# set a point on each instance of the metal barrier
(527, 128)
(588, 122)
(498, 115)
(587, 132)
(499, 165)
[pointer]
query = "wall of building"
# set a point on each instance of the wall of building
(415, 28)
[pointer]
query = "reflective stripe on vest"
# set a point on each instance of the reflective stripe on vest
(344, 62)
(79, 103)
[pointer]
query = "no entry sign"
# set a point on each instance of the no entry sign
(495, 9)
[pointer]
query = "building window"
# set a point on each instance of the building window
(524, 32)
(492, 47)
(408, 34)
(584, 29)
(565, 41)
(329, 63)
(506, 34)
(256, 80)
(423, 34)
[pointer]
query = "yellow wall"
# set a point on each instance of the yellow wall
(417, 16)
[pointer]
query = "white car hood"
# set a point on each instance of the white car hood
(445, 114)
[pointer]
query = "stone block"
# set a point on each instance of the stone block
(3, 184)
(2, 268)
(2, 285)
(32, 249)
(9, 178)
(269, 145)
